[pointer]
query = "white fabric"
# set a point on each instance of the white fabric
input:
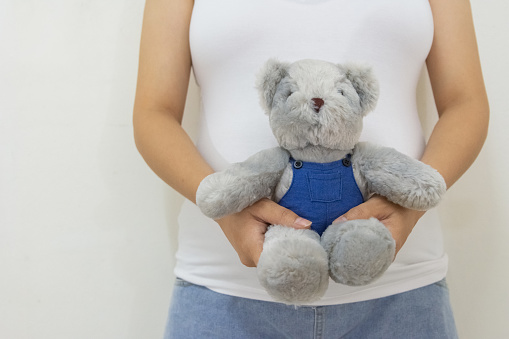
(230, 41)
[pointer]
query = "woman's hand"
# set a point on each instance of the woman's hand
(399, 220)
(246, 230)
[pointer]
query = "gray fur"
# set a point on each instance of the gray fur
(318, 154)
(398, 177)
(293, 120)
(365, 84)
(359, 251)
(242, 184)
(268, 79)
(360, 180)
(293, 266)
(284, 183)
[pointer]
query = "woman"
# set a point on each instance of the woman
(226, 42)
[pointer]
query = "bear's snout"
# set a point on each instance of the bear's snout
(317, 104)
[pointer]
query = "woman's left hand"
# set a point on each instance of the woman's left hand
(399, 220)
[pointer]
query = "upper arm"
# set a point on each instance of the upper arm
(165, 58)
(453, 62)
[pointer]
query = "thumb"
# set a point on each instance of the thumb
(358, 212)
(275, 214)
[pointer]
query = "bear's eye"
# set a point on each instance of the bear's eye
(340, 91)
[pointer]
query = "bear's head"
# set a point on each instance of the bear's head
(316, 103)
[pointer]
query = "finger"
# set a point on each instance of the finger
(358, 212)
(251, 245)
(257, 246)
(275, 214)
(256, 255)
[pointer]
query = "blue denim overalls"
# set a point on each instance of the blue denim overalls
(322, 192)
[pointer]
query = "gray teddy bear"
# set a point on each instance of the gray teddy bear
(320, 171)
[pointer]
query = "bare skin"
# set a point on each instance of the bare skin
(163, 79)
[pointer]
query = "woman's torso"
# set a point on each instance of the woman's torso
(230, 40)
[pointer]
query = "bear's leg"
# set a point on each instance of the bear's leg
(359, 251)
(293, 266)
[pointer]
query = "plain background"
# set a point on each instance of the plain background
(87, 231)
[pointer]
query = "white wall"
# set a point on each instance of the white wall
(85, 243)
(87, 232)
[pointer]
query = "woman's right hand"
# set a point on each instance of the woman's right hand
(246, 229)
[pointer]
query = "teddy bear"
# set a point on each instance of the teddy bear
(320, 170)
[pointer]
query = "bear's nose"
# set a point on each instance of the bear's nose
(318, 103)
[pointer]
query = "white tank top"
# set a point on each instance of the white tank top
(230, 41)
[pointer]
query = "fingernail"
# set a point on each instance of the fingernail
(340, 219)
(301, 222)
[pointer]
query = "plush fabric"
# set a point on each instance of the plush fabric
(403, 180)
(359, 251)
(315, 109)
(293, 265)
(242, 184)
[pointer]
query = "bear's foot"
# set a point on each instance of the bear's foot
(293, 266)
(359, 251)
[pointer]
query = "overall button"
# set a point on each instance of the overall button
(297, 164)
(347, 162)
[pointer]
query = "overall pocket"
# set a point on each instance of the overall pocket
(325, 187)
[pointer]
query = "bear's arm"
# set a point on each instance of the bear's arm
(401, 179)
(242, 184)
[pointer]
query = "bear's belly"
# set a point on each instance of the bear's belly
(317, 195)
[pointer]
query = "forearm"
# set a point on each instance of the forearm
(169, 151)
(457, 139)
(163, 79)
(456, 79)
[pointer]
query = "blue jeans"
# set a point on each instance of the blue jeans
(197, 312)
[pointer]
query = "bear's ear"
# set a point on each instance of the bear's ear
(267, 80)
(365, 84)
